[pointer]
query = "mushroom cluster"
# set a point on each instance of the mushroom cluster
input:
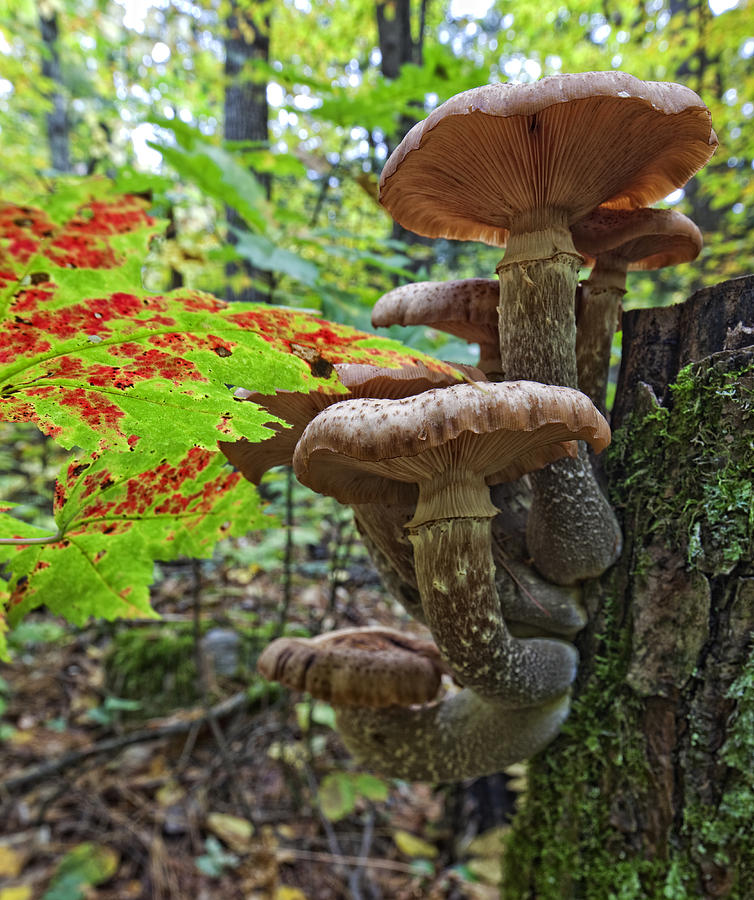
(477, 501)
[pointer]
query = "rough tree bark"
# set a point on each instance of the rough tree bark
(649, 791)
(398, 47)
(57, 117)
(246, 112)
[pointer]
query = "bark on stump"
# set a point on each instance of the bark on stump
(649, 791)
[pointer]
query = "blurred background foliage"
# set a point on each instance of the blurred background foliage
(261, 127)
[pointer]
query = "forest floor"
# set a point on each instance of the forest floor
(126, 776)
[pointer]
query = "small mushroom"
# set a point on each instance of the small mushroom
(620, 240)
(466, 308)
(371, 667)
(451, 443)
(383, 685)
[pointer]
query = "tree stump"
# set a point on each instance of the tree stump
(649, 791)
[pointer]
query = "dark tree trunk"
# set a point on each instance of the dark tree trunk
(247, 39)
(57, 117)
(398, 47)
(649, 791)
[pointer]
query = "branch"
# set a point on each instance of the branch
(53, 767)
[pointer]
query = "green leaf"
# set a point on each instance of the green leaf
(371, 787)
(337, 796)
(116, 519)
(99, 363)
(216, 172)
(86, 865)
(263, 254)
(411, 845)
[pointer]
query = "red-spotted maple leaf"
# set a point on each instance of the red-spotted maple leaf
(114, 519)
(97, 362)
(143, 382)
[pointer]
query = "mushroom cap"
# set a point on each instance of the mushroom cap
(466, 307)
(374, 667)
(365, 451)
(641, 238)
(298, 409)
(567, 142)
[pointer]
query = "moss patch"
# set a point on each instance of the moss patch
(686, 470)
(682, 477)
(154, 666)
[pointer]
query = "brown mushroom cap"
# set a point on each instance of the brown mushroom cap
(568, 142)
(372, 667)
(298, 409)
(640, 239)
(466, 307)
(362, 451)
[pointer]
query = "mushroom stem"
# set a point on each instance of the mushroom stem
(538, 278)
(537, 342)
(529, 604)
(456, 577)
(572, 533)
(598, 313)
(462, 736)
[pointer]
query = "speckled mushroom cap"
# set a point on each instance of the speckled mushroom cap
(362, 451)
(641, 239)
(466, 307)
(568, 142)
(298, 409)
(372, 667)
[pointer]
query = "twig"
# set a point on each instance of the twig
(317, 856)
(332, 838)
(354, 882)
(288, 557)
(341, 553)
(109, 745)
(202, 672)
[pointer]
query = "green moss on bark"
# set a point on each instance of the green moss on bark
(649, 791)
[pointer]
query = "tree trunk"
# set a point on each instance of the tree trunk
(246, 113)
(649, 791)
(398, 47)
(57, 117)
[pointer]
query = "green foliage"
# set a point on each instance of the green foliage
(82, 868)
(216, 859)
(339, 793)
(315, 712)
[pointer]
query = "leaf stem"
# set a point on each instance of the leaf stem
(49, 539)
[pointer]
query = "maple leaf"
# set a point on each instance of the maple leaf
(114, 518)
(143, 383)
(97, 362)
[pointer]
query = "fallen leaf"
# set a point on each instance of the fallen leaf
(19, 892)
(11, 861)
(487, 868)
(283, 892)
(489, 843)
(413, 846)
(233, 831)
